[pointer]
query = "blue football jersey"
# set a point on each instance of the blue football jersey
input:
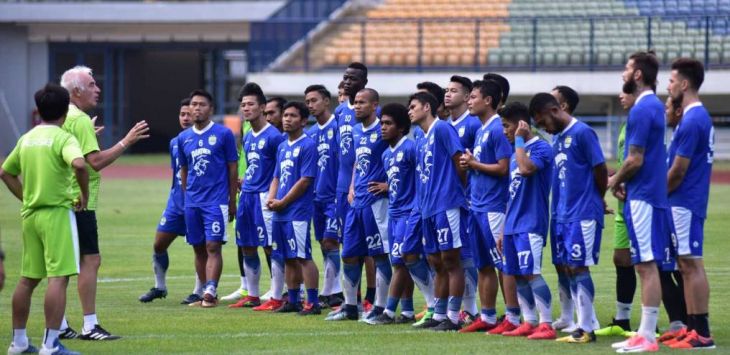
(466, 128)
(400, 167)
(528, 207)
(577, 151)
(260, 148)
(326, 137)
(345, 116)
(296, 160)
(693, 139)
(416, 133)
(206, 154)
(175, 200)
(645, 128)
(441, 186)
(488, 192)
(369, 147)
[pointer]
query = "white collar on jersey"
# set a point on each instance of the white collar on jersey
(210, 124)
(349, 105)
(428, 130)
(691, 106)
(573, 121)
(326, 123)
(489, 121)
(643, 94)
(532, 140)
(372, 125)
(455, 122)
(256, 134)
(403, 139)
(291, 143)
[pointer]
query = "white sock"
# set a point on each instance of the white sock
(381, 290)
(389, 313)
(649, 316)
(90, 321)
(426, 290)
(211, 290)
(198, 290)
(20, 338)
(64, 323)
(160, 273)
(566, 305)
(529, 313)
(244, 280)
(623, 311)
(453, 316)
(330, 279)
(469, 301)
(253, 275)
(50, 337)
(586, 311)
(439, 317)
(277, 279)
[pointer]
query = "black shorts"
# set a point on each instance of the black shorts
(88, 234)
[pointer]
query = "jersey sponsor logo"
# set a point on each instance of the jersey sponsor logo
(363, 160)
(560, 160)
(285, 172)
(516, 180)
(200, 160)
(38, 142)
(323, 150)
(398, 157)
(393, 181)
(212, 140)
(345, 138)
(424, 169)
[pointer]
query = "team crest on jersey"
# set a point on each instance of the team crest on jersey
(399, 156)
(330, 134)
(461, 131)
(262, 143)
(373, 137)
(163, 220)
(296, 152)
(568, 141)
(212, 140)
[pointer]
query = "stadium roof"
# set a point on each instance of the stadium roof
(138, 12)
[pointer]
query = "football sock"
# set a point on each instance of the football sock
(489, 315)
(211, 288)
(90, 322)
(350, 281)
(198, 290)
(623, 311)
(421, 275)
(293, 295)
(20, 338)
(513, 315)
(470, 290)
(701, 324)
(625, 285)
(543, 298)
(160, 263)
(673, 295)
(252, 266)
(313, 295)
(50, 337)
(649, 316)
(332, 266)
(370, 294)
(64, 323)
(586, 294)
(526, 301)
(391, 306)
(277, 278)
(439, 310)
(454, 306)
(383, 275)
(406, 307)
(566, 301)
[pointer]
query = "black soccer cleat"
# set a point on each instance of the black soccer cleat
(98, 333)
(152, 294)
(446, 325)
(192, 299)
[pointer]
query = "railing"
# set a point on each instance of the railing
(523, 43)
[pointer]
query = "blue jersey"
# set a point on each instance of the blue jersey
(326, 137)
(206, 154)
(400, 167)
(296, 160)
(645, 129)
(575, 196)
(466, 128)
(441, 186)
(175, 200)
(260, 151)
(488, 192)
(416, 133)
(693, 139)
(345, 116)
(528, 207)
(369, 148)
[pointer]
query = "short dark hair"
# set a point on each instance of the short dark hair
(542, 101)
(373, 93)
(300, 106)
(203, 93)
(648, 64)
(280, 102)
(435, 89)
(252, 89)
(515, 112)
(425, 98)
(359, 66)
(489, 88)
(690, 69)
(502, 81)
(464, 81)
(52, 102)
(185, 102)
(399, 114)
(320, 89)
(569, 95)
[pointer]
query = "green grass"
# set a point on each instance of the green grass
(129, 211)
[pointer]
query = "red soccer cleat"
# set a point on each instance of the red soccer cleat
(525, 329)
(505, 326)
(269, 306)
(544, 331)
(478, 326)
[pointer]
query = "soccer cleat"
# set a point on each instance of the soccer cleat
(335, 300)
(247, 302)
(637, 344)
(404, 319)
(68, 333)
(58, 349)
(380, 319)
(613, 329)
(209, 301)
(544, 331)
(290, 308)
(671, 335)
(562, 324)
(267, 296)
(477, 326)
(98, 333)
(192, 298)
(466, 318)
(323, 301)
(235, 295)
(14, 350)
(694, 341)
(152, 294)
(505, 326)
(310, 309)
(269, 306)
(426, 323)
(426, 316)
(341, 315)
(367, 306)
(421, 313)
(571, 329)
(446, 325)
(525, 329)
(579, 336)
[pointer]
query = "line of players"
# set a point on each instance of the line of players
(452, 196)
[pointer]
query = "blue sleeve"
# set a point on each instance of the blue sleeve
(448, 138)
(276, 140)
(309, 161)
(278, 164)
(173, 143)
(637, 128)
(502, 148)
(686, 138)
(230, 149)
(181, 156)
(378, 112)
(541, 156)
(594, 153)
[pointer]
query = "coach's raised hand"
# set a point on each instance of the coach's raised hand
(139, 131)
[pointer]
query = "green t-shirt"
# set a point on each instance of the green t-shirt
(43, 158)
(78, 123)
(620, 146)
(245, 127)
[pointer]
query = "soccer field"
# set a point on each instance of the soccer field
(128, 214)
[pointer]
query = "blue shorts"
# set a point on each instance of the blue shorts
(326, 223)
(485, 227)
(342, 207)
(413, 235)
(253, 220)
(522, 254)
(405, 237)
(445, 230)
(366, 231)
(690, 232)
(291, 240)
(576, 243)
(206, 224)
(651, 234)
(172, 221)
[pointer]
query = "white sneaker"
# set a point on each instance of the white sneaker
(14, 350)
(235, 295)
(267, 296)
(562, 324)
(620, 345)
(570, 329)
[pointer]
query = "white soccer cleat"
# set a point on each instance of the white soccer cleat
(572, 328)
(235, 295)
(563, 324)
